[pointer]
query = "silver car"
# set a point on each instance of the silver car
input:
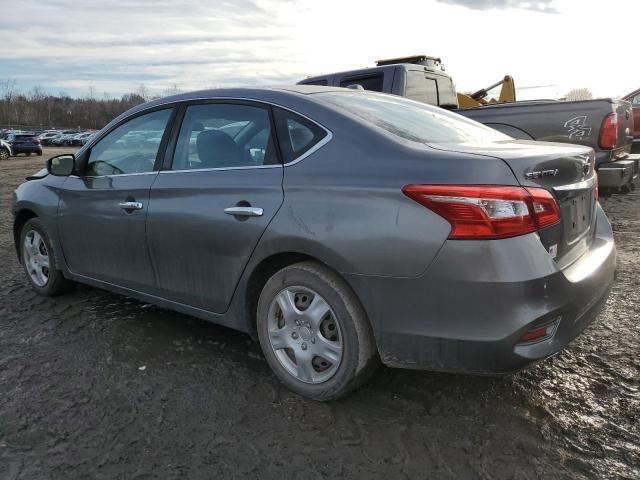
(341, 228)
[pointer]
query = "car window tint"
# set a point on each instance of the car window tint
(296, 134)
(368, 82)
(220, 135)
(636, 101)
(130, 148)
(421, 88)
(411, 120)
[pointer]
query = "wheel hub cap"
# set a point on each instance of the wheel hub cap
(305, 335)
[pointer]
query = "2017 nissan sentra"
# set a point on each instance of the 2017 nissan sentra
(340, 227)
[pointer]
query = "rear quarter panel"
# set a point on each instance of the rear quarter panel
(344, 204)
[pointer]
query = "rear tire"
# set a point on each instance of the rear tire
(39, 260)
(314, 333)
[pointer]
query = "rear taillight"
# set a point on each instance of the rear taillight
(488, 212)
(609, 131)
(36, 141)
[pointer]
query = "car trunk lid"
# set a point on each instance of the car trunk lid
(567, 171)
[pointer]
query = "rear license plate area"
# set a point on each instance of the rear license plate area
(576, 212)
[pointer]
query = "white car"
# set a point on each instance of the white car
(5, 150)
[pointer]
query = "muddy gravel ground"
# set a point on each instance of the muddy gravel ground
(94, 385)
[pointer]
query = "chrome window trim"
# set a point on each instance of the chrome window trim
(328, 137)
(246, 167)
(153, 172)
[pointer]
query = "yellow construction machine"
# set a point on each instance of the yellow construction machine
(479, 98)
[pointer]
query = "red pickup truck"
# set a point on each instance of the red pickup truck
(634, 98)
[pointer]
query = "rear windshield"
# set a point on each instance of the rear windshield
(411, 120)
(24, 137)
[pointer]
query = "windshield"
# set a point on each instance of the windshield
(411, 120)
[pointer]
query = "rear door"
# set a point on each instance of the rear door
(212, 202)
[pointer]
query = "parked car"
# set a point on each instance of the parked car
(87, 138)
(339, 227)
(78, 139)
(65, 139)
(47, 137)
(634, 98)
(5, 150)
(25, 143)
(601, 124)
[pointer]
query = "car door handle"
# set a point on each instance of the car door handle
(244, 211)
(131, 205)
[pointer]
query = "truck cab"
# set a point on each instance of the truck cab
(421, 78)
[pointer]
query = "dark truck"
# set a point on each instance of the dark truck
(604, 124)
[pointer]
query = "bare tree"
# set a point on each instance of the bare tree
(172, 90)
(38, 109)
(143, 92)
(579, 94)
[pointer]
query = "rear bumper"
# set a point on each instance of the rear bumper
(468, 311)
(620, 173)
(26, 149)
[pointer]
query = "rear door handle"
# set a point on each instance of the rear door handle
(131, 205)
(244, 211)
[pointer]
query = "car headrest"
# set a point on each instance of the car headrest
(217, 149)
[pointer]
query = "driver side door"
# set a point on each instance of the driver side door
(102, 213)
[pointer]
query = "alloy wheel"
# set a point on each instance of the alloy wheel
(36, 258)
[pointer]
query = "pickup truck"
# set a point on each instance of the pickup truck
(605, 124)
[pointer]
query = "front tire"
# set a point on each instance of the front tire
(39, 260)
(4, 153)
(314, 333)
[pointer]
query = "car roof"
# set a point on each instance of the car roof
(265, 94)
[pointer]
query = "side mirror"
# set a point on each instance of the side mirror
(61, 165)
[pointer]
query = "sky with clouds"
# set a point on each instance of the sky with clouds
(548, 46)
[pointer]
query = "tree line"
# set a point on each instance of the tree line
(38, 108)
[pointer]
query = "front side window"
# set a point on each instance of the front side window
(635, 101)
(411, 120)
(220, 135)
(130, 148)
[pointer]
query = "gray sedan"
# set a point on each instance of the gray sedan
(341, 228)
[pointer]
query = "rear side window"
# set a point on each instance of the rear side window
(420, 88)
(296, 134)
(368, 82)
(411, 120)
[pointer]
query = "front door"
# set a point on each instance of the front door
(209, 210)
(102, 212)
